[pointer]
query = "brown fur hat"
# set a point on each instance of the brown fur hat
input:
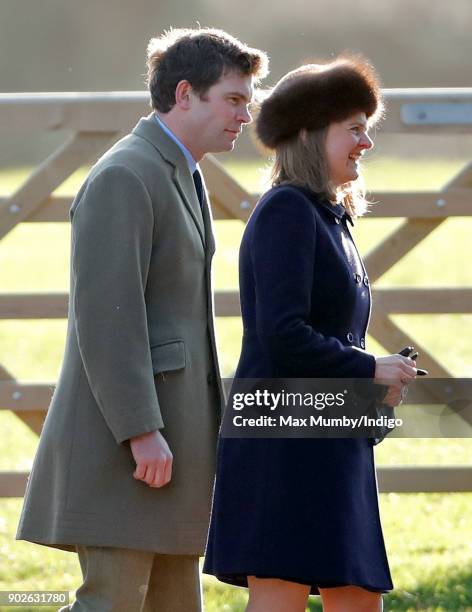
(314, 95)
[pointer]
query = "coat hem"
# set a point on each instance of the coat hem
(180, 541)
(240, 580)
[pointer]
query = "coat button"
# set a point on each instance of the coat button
(210, 379)
(357, 277)
(362, 343)
(337, 220)
(366, 281)
(350, 337)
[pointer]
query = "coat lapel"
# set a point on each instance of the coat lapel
(149, 129)
(184, 182)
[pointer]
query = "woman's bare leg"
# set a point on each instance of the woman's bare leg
(276, 595)
(350, 599)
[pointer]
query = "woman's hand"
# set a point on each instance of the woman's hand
(396, 372)
(395, 368)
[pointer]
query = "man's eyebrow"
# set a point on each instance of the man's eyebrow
(238, 94)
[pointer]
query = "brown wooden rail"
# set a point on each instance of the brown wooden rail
(94, 121)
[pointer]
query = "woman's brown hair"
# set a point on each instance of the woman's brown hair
(302, 161)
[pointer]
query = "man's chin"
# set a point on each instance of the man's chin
(223, 148)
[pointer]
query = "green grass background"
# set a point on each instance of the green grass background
(428, 536)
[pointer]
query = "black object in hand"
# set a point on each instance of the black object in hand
(406, 352)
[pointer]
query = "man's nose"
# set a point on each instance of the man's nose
(245, 116)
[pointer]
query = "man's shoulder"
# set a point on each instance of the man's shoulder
(132, 155)
(131, 165)
(134, 152)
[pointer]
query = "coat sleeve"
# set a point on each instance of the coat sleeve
(283, 253)
(112, 236)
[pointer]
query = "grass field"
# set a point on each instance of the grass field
(428, 536)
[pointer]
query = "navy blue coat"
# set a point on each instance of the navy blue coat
(304, 510)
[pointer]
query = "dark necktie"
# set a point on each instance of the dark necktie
(197, 179)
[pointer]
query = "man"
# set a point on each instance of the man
(125, 464)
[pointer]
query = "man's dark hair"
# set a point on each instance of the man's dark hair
(200, 57)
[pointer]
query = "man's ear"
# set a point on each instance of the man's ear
(182, 95)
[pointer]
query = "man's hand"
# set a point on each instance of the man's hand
(153, 459)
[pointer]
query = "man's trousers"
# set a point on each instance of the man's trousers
(124, 580)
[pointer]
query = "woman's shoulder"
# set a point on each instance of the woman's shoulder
(296, 198)
(293, 192)
(288, 197)
(284, 208)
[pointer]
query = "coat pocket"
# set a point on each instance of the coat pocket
(168, 356)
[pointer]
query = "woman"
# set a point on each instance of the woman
(298, 516)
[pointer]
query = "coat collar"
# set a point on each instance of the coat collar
(335, 210)
(150, 130)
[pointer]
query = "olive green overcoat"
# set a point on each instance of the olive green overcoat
(140, 355)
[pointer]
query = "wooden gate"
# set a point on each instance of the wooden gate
(97, 120)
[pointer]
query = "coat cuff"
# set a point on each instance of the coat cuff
(145, 424)
(365, 364)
